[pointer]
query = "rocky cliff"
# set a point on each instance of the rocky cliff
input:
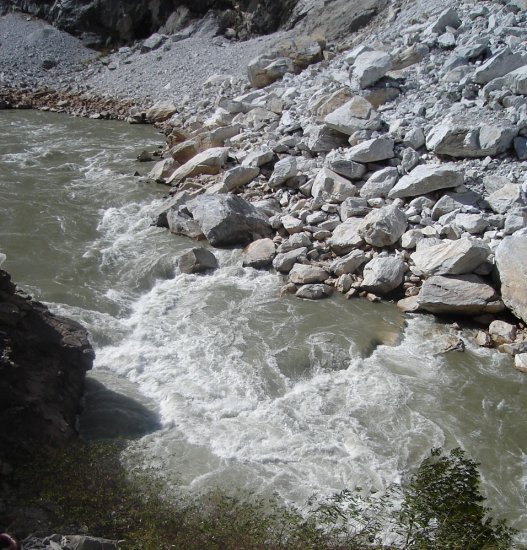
(111, 21)
(43, 362)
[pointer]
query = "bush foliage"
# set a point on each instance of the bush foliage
(85, 488)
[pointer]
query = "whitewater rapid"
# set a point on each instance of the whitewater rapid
(274, 395)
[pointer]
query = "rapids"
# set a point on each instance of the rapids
(272, 394)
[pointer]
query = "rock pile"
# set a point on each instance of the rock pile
(394, 167)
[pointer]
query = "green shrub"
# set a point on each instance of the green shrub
(85, 488)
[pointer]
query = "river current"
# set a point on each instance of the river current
(276, 395)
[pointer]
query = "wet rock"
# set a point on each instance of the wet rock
(451, 257)
(511, 262)
(520, 362)
(228, 219)
(427, 178)
(180, 222)
(314, 291)
(197, 260)
(461, 295)
(259, 254)
(383, 275)
(384, 226)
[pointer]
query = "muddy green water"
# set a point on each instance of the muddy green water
(275, 395)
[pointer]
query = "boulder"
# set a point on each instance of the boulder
(461, 295)
(511, 262)
(384, 226)
(346, 236)
(153, 42)
(502, 332)
(427, 178)
(210, 161)
(284, 170)
(160, 111)
(265, 70)
(506, 198)
(520, 362)
(259, 253)
(258, 157)
(372, 150)
(451, 257)
(447, 18)
(238, 176)
(184, 151)
(197, 260)
(162, 170)
(342, 165)
(455, 201)
(330, 187)
(383, 275)
(470, 140)
(369, 67)
(500, 64)
(354, 207)
(284, 262)
(348, 264)
(303, 274)
(291, 224)
(314, 292)
(228, 219)
(380, 183)
(180, 222)
(357, 114)
(323, 139)
(474, 224)
(516, 81)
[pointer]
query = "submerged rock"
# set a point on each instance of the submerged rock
(197, 260)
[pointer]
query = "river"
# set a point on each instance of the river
(252, 390)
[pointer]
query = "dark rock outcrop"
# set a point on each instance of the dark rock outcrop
(121, 21)
(43, 363)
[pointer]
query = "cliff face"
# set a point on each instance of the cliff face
(43, 362)
(121, 21)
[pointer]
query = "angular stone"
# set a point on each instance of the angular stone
(330, 187)
(426, 178)
(197, 260)
(259, 253)
(384, 226)
(303, 274)
(499, 65)
(474, 224)
(228, 219)
(357, 114)
(292, 224)
(380, 183)
(520, 146)
(369, 67)
(502, 332)
(284, 170)
(346, 236)
(343, 166)
(516, 81)
(520, 362)
(451, 257)
(454, 201)
(161, 111)
(298, 240)
(511, 262)
(447, 18)
(461, 295)
(354, 207)
(238, 176)
(210, 161)
(372, 150)
(181, 223)
(516, 220)
(314, 292)
(162, 170)
(264, 70)
(285, 262)
(465, 140)
(184, 151)
(323, 139)
(383, 275)
(258, 157)
(506, 198)
(348, 264)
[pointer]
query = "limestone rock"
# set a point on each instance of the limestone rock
(162, 170)
(259, 253)
(348, 264)
(373, 150)
(197, 260)
(511, 261)
(506, 198)
(160, 111)
(346, 236)
(357, 114)
(330, 187)
(384, 226)
(323, 139)
(467, 140)
(314, 292)
(369, 67)
(499, 65)
(284, 170)
(383, 275)
(228, 219)
(427, 178)
(474, 224)
(461, 295)
(516, 81)
(284, 262)
(209, 161)
(342, 165)
(451, 257)
(354, 207)
(502, 332)
(447, 18)
(380, 183)
(302, 274)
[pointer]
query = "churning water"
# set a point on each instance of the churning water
(253, 391)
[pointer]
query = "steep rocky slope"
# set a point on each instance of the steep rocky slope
(43, 362)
